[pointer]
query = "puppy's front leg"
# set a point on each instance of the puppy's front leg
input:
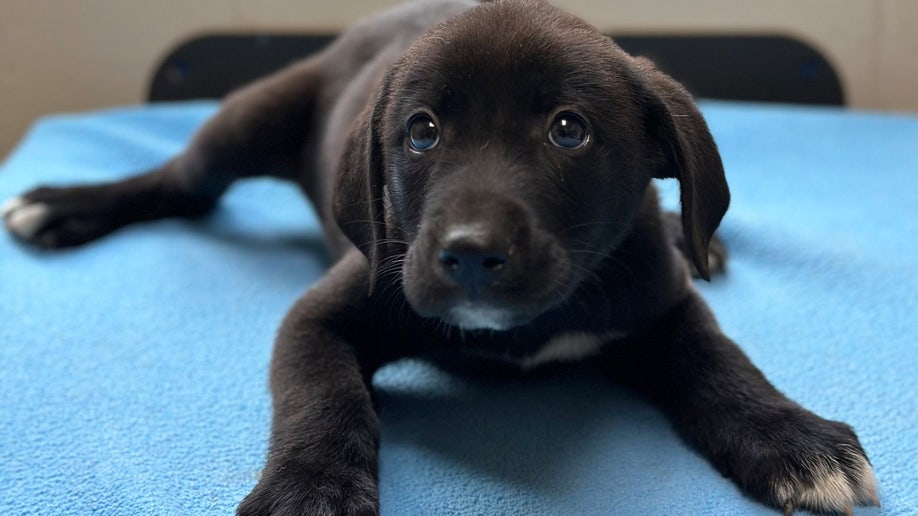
(323, 450)
(774, 449)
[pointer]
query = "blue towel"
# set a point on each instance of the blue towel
(133, 370)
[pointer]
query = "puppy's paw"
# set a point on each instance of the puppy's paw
(349, 493)
(58, 217)
(801, 461)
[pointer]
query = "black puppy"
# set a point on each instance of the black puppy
(486, 186)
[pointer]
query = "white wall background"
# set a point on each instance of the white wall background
(69, 55)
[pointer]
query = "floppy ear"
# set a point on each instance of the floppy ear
(358, 191)
(689, 155)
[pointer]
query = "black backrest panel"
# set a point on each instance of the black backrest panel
(756, 68)
(211, 66)
(763, 68)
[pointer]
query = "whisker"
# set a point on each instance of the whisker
(616, 223)
(587, 251)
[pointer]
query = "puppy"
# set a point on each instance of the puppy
(483, 173)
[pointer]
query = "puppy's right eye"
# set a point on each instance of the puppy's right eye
(423, 134)
(569, 131)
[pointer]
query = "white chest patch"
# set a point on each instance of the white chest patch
(569, 347)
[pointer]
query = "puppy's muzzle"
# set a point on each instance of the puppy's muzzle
(481, 261)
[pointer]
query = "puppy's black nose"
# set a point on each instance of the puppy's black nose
(473, 258)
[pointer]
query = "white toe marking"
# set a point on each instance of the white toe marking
(865, 488)
(25, 220)
(11, 205)
(832, 490)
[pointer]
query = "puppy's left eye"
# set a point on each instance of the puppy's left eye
(568, 131)
(423, 134)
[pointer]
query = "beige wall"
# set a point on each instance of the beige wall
(68, 55)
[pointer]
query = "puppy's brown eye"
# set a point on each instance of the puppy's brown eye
(568, 131)
(423, 134)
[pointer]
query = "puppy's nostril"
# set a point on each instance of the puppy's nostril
(450, 260)
(494, 262)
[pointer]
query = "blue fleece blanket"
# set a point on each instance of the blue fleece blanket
(133, 371)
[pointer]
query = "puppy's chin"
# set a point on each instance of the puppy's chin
(489, 312)
(470, 316)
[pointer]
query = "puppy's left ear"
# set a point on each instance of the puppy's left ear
(690, 155)
(358, 191)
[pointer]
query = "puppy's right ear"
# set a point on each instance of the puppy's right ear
(358, 192)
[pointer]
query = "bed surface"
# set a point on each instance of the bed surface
(133, 371)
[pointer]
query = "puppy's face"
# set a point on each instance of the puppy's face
(515, 163)
(511, 152)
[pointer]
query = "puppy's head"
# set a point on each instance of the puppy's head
(505, 157)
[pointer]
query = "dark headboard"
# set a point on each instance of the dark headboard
(757, 68)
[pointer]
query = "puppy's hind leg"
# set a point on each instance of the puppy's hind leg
(259, 130)
(717, 251)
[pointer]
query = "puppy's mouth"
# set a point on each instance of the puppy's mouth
(475, 287)
(459, 311)
(472, 316)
